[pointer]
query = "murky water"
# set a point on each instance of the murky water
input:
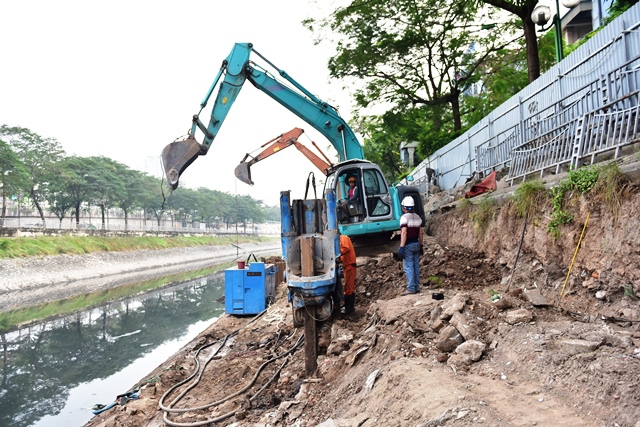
(54, 372)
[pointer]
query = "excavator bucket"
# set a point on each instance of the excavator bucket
(243, 172)
(177, 156)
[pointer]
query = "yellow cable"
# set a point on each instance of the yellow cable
(575, 254)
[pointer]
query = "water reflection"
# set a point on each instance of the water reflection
(53, 372)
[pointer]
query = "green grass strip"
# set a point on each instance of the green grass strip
(19, 247)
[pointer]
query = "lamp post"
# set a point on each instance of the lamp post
(541, 15)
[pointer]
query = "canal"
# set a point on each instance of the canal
(54, 372)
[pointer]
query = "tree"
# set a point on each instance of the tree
(110, 186)
(38, 156)
(133, 192)
(152, 201)
(13, 175)
(80, 182)
(410, 53)
(523, 9)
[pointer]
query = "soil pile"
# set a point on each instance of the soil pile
(552, 340)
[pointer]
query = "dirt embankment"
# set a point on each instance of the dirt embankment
(483, 355)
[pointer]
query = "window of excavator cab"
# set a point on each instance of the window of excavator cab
(374, 182)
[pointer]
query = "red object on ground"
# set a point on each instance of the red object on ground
(487, 184)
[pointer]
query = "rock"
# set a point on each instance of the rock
(505, 303)
(454, 305)
(460, 322)
(572, 347)
(437, 325)
(518, 316)
(471, 350)
(601, 295)
(448, 339)
(535, 297)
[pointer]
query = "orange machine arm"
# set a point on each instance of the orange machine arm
(243, 172)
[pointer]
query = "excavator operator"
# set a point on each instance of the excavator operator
(351, 202)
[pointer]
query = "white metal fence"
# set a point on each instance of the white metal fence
(583, 107)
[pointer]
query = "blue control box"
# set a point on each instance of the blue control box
(249, 290)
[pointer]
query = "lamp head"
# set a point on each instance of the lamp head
(541, 14)
(570, 3)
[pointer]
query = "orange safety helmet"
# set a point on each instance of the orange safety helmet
(351, 179)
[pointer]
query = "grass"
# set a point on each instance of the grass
(483, 214)
(18, 247)
(528, 197)
(610, 188)
(11, 320)
(435, 281)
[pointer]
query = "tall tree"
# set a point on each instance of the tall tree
(38, 155)
(14, 177)
(523, 9)
(410, 52)
(80, 182)
(109, 184)
(133, 193)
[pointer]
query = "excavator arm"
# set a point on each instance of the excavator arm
(235, 70)
(243, 171)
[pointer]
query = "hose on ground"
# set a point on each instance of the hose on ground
(199, 372)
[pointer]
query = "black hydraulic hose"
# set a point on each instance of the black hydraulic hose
(197, 369)
(199, 372)
(234, 411)
(513, 271)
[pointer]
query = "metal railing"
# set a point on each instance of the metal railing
(34, 224)
(582, 108)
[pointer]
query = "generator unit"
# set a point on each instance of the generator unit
(249, 290)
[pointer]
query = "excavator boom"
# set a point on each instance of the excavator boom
(243, 171)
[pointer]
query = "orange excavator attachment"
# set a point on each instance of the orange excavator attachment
(177, 156)
(243, 170)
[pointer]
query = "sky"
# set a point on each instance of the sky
(122, 79)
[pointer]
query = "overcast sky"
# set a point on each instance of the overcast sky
(122, 79)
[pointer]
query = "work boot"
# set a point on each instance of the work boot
(349, 304)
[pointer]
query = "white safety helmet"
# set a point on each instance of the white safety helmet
(408, 202)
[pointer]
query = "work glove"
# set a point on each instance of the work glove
(401, 252)
(421, 250)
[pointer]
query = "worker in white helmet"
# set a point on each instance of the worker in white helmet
(410, 245)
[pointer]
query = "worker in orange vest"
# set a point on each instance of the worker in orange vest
(348, 260)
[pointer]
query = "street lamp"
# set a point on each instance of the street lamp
(541, 15)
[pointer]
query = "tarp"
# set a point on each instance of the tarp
(487, 184)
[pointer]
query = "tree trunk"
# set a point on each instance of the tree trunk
(77, 214)
(32, 194)
(531, 43)
(455, 110)
(104, 225)
(4, 207)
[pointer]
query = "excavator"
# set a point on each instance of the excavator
(311, 228)
(377, 212)
(275, 145)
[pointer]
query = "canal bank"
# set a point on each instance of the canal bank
(27, 282)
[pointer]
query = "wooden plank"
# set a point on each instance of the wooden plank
(306, 255)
